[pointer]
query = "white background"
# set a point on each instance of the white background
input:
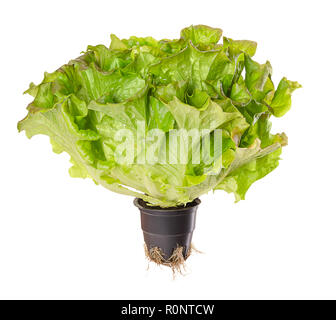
(68, 238)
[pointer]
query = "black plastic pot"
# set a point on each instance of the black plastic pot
(168, 228)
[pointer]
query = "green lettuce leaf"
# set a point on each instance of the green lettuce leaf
(201, 35)
(282, 99)
(250, 164)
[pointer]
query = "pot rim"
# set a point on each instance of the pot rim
(141, 204)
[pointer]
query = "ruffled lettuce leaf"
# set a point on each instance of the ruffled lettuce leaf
(244, 172)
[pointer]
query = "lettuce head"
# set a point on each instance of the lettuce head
(137, 94)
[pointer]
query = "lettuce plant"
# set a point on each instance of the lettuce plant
(142, 85)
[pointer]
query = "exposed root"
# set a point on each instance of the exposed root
(193, 250)
(176, 261)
